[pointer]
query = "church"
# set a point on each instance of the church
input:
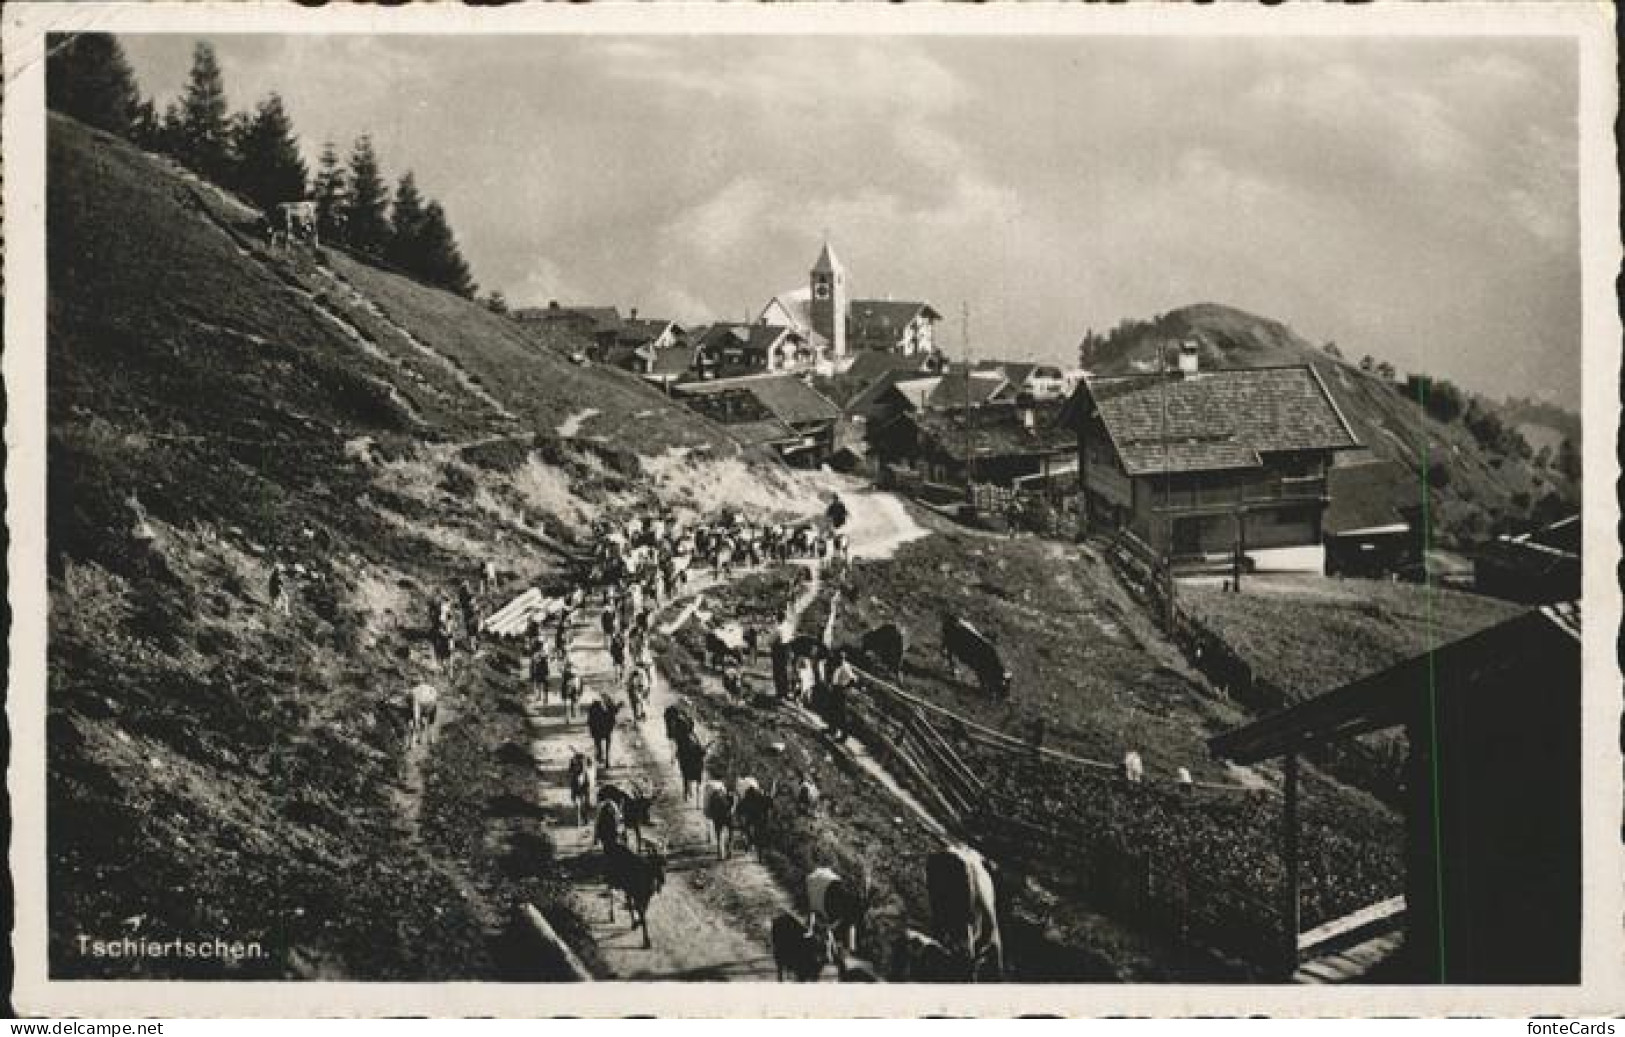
(840, 328)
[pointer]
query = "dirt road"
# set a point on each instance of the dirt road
(711, 920)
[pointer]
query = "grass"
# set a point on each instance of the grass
(1308, 634)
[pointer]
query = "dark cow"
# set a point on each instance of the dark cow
(719, 810)
(884, 647)
(679, 725)
(635, 804)
(797, 951)
(754, 812)
(962, 643)
(960, 888)
(638, 876)
(691, 764)
(722, 652)
(601, 723)
(607, 825)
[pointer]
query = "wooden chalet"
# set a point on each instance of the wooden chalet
(1193, 463)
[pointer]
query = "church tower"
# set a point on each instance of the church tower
(828, 303)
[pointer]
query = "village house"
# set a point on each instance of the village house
(730, 350)
(1373, 525)
(841, 328)
(1535, 567)
(598, 324)
(1030, 380)
(1016, 446)
(1198, 463)
(777, 410)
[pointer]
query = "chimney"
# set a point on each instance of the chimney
(1028, 420)
(634, 313)
(1190, 361)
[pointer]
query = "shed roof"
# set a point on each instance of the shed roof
(1374, 495)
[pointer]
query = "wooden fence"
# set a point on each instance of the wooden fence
(920, 742)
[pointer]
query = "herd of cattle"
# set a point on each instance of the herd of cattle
(635, 568)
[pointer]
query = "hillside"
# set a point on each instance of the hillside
(1474, 491)
(216, 407)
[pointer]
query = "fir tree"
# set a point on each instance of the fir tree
(332, 193)
(269, 167)
(205, 132)
(366, 217)
(443, 261)
(88, 77)
(406, 229)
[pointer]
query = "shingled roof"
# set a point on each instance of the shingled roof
(1218, 419)
(997, 431)
(1374, 495)
(878, 323)
(785, 397)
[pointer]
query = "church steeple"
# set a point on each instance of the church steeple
(828, 304)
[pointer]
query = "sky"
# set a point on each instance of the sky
(1414, 199)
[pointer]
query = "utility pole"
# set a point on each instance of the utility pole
(1171, 607)
(964, 417)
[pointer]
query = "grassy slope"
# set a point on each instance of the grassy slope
(1087, 660)
(213, 768)
(1481, 486)
(1308, 635)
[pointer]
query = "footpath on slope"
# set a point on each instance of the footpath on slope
(711, 920)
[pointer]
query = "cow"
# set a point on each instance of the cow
(571, 689)
(918, 958)
(601, 717)
(832, 899)
(583, 776)
(797, 951)
(295, 221)
(425, 701)
(1133, 768)
(962, 643)
(884, 647)
(753, 812)
(724, 646)
(960, 889)
(638, 877)
(679, 725)
(691, 764)
(807, 796)
(607, 825)
(720, 802)
(635, 804)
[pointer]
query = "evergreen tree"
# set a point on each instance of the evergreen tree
(406, 243)
(1568, 460)
(88, 77)
(332, 193)
(205, 143)
(443, 261)
(146, 126)
(171, 130)
(497, 303)
(366, 216)
(269, 168)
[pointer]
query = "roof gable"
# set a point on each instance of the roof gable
(1217, 419)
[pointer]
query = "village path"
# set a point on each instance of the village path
(711, 920)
